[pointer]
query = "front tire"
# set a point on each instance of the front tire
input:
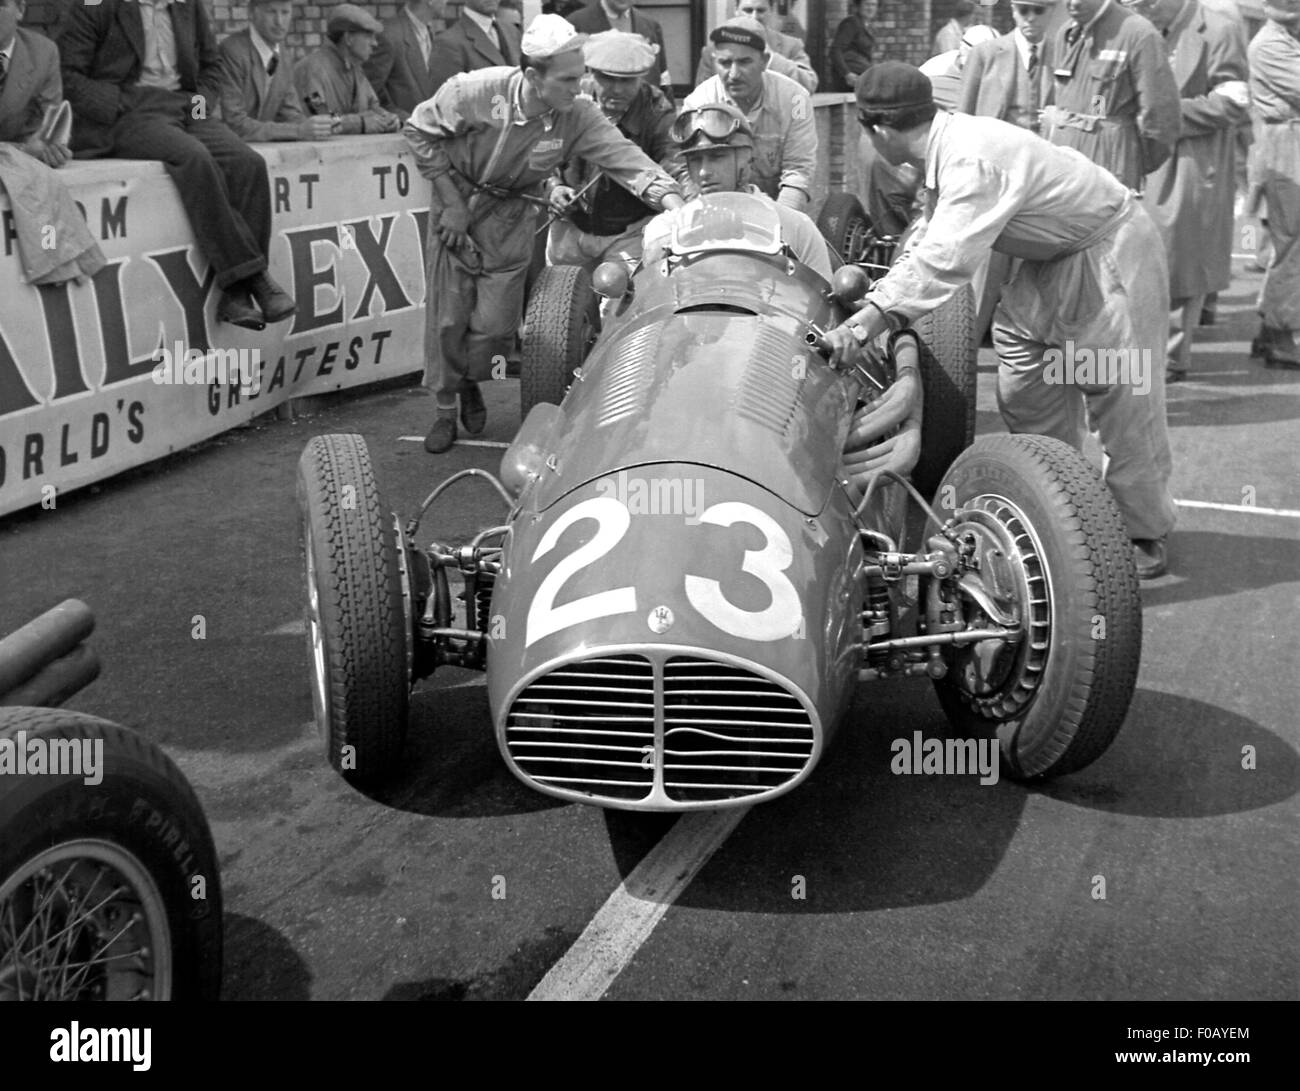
(359, 639)
(949, 373)
(108, 890)
(561, 325)
(1058, 699)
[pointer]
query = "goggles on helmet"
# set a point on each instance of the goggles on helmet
(714, 122)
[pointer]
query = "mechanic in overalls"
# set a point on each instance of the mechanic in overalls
(1114, 95)
(608, 220)
(1094, 280)
(491, 142)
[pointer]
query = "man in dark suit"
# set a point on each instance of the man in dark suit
(258, 99)
(621, 15)
(29, 85)
(478, 39)
(1010, 77)
(139, 92)
(399, 69)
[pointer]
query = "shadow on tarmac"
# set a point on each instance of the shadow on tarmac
(1207, 564)
(260, 964)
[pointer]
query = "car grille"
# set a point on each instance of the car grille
(728, 733)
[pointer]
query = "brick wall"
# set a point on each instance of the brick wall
(901, 27)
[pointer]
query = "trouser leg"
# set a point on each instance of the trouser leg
(449, 301)
(1183, 319)
(244, 171)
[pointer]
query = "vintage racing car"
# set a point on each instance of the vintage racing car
(685, 587)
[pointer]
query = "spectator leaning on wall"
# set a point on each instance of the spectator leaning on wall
(53, 241)
(258, 99)
(140, 92)
(400, 69)
(786, 55)
(478, 39)
(331, 80)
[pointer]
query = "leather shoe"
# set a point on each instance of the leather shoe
(1152, 557)
(473, 413)
(1274, 358)
(276, 303)
(441, 436)
(1175, 375)
(236, 307)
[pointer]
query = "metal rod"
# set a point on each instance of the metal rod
(967, 636)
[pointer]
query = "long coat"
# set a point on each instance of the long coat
(1190, 196)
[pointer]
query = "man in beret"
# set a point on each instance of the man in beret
(609, 219)
(143, 80)
(721, 164)
(786, 54)
(331, 80)
(258, 99)
(779, 111)
(1093, 281)
(489, 141)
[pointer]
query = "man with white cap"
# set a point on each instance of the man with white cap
(609, 219)
(331, 80)
(1010, 78)
(489, 141)
(1093, 283)
(778, 109)
(1114, 95)
(945, 69)
(786, 53)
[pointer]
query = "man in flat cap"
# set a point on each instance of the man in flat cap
(778, 109)
(609, 219)
(717, 145)
(621, 15)
(489, 141)
(1083, 322)
(786, 53)
(143, 81)
(331, 80)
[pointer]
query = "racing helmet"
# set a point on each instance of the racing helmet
(712, 125)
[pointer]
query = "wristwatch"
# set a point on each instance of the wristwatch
(858, 331)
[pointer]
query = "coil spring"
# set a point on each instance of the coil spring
(483, 600)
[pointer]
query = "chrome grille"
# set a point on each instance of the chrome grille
(588, 727)
(729, 733)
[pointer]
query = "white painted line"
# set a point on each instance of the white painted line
(493, 443)
(1244, 509)
(297, 627)
(626, 920)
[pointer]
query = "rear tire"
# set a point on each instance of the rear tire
(949, 363)
(358, 637)
(1058, 699)
(561, 325)
(113, 887)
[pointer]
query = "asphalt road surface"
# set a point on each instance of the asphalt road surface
(457, 882)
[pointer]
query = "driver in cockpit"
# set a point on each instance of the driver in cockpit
(718, 146)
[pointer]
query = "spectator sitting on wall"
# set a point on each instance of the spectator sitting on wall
(480, 38)
(950, 34)
(258, 99)
(400, 69)
(331, 81)
(137, 93)
(34, 122)
(786, 55)
(853, 45)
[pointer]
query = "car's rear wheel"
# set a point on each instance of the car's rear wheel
(845, 224)
(561, 325)
(109, 885)
(949, 360)
(358, 627)
(1052, 547)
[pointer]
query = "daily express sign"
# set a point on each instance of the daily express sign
(78, 400)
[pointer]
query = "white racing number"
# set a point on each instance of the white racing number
(783, 617)
(544, 617)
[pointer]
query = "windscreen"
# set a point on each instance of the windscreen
(725, 221)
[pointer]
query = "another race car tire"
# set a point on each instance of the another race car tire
(113, 886)
(1069, 683)
(845, 224)
(358, 639)
(560, 327)
(949, 362)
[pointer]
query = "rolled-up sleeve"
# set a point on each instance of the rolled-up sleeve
(799, 152)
